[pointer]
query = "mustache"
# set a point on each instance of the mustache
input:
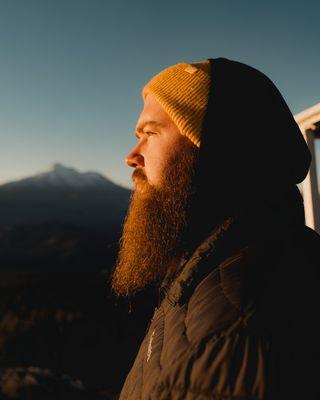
(138, 174)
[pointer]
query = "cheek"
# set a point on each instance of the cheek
(155, 162)
(154, 166)
(161, 151)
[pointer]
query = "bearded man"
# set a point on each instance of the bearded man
(217, 222)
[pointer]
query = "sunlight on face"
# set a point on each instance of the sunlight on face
(159, 141)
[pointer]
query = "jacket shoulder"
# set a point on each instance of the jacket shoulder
(218, 299)
(227, 364)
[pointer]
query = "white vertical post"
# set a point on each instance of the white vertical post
(308, 121)
(310, 187)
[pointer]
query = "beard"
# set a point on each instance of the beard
(152, 241)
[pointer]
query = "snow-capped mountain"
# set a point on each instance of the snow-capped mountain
(66, 195)
(59, 176)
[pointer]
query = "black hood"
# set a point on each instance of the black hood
(252, 151)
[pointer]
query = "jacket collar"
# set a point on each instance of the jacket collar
(254, 230)
(223, 241)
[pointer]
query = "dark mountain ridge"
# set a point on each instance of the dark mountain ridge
(64, 194)
(60, 220)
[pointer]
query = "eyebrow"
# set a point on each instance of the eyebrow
(156, 124)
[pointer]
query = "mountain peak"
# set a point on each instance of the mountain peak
(59, 176)
(59, 167)
(61, 170)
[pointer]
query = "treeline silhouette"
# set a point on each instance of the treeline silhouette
(65, 336)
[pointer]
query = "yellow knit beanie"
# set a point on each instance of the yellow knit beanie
(183, 90)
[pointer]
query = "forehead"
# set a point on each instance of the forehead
(153, 114)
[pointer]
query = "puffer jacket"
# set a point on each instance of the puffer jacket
(239, 320)
(236, 322)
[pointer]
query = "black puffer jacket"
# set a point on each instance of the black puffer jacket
(239, 319)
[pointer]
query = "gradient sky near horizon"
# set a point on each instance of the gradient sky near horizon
(71, 71)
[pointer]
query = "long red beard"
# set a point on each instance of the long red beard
(153, 230)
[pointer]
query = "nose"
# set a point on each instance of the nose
(134, 159)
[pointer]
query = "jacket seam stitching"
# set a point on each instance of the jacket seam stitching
(228, 299)
(222, 288)
(185, 325)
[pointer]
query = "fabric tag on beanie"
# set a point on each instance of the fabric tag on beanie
(191, 69)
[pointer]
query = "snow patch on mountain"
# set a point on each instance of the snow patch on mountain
(59, 176)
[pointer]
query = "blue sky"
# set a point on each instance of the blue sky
(71, 71)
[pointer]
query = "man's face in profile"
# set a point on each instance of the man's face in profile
(163, 162)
